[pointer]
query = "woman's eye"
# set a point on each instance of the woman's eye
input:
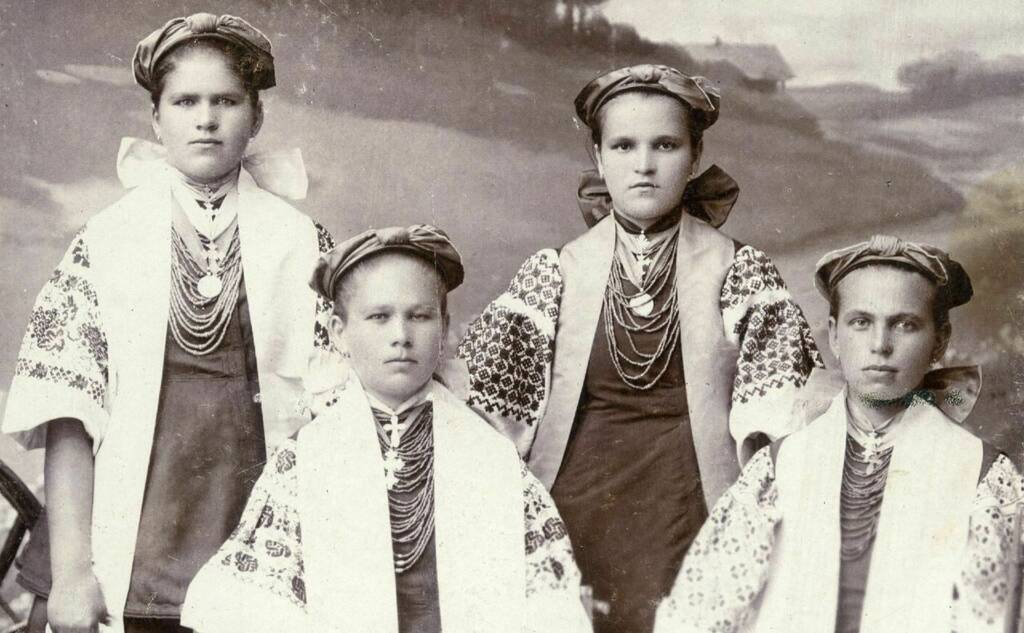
(667, 145)
(859, 323)
(228, 101)
(184, 102)
(422, 316)
(376, 316)
(907, 326)
(622, 146)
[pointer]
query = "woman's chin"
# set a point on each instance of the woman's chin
(643, 215)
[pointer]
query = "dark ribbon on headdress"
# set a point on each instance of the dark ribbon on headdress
(227, 28)
(709, 197)
(932, 262)
(422, 240)
(696, 92)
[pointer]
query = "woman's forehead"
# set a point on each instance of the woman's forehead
(200, 67)
(643, 112)
(883, 290)
(393, 277)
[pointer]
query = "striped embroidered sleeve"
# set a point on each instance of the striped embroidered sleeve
(324, 308)
(62, 368)
(728, 563)
(509, 349)
(255, 581)
(776, 349)
(983, 591)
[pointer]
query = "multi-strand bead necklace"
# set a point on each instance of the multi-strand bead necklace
(407, 447)
(634, 314)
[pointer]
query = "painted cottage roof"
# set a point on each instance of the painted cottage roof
(755, 61)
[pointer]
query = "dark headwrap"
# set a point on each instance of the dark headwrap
(696, 92)
(422, 240)
(949, 276)
(227, 28)
(710, 196)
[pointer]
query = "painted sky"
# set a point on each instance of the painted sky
(828, 41)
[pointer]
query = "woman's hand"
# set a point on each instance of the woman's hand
(591, 604)
(76, 604)
(76, 601)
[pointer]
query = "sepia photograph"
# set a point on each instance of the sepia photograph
(534, 316)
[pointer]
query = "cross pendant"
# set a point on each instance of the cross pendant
(392, 465)
(394, 430)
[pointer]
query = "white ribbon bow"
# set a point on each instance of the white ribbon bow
(280, 172)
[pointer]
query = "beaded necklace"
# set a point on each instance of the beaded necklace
(634, 313)
(407, 446)
(198, 318)
(861, 498)
(865, 472)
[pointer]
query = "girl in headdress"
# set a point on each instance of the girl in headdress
(166, 352)
(397, 510)
(637, 365)
(883, 515)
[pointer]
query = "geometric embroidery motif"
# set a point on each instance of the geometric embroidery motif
(776, 346)
(505, 350)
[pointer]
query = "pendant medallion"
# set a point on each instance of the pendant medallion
(641, 305)
(210, 286)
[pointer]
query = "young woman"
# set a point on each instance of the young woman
(883, 515)
(638, 364)
(397, 510)
(165, 353)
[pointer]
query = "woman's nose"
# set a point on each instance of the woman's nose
(881, 342)
(644, 161)
(206, 117)
(400, 333)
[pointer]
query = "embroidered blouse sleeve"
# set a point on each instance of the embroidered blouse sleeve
(552, 578)
(255, 581)
(509, 350)
(982, 593)
(324, 308)
(776, 349)
(62, 368)
(727, 565)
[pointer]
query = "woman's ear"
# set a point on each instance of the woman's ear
(698, 153)
(336, 327)
(833, 336)
(942, 337)
(155, 122)
(257, 119)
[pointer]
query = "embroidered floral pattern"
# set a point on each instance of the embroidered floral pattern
(549, 559)
(983, 591)
(65, 346)
(79, 251)
(324, 308)
(727, 565)
(774, 340)
(508, 348)
(265, 549)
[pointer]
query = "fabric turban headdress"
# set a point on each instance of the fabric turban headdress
(710, 196)
(696, 92)
(421, 240)
(227, 28)
(948, 275)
